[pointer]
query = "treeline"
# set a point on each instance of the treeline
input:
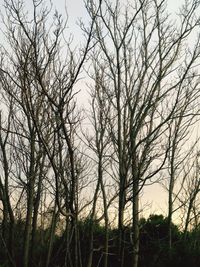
(153, 245)
(72, 178)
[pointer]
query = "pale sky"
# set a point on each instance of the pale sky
(75, 9)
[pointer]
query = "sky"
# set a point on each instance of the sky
(153, 196)
(76, 7)
(154, 200)
(76, 10)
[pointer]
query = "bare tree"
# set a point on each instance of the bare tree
(99, 144)
(179, 134)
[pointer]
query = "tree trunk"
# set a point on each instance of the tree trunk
(52, 235)
(135, 223)
(28, 226)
